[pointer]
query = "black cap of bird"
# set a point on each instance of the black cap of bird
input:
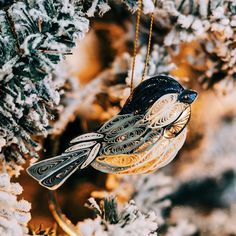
(145, 136)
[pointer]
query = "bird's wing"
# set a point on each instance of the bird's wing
(125, 137)
(129, 133)
(125, 134)
(157, 156)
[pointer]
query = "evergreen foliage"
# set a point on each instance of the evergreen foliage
(35, 36)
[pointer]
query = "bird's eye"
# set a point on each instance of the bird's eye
(185, 96)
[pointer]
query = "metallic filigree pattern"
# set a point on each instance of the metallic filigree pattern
(156, 158)
(146, 144)
(53, 172)
(56, 169)
(146, 135)
(165, 111)
(148, 92)
(176, 127)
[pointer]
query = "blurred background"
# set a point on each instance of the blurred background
(196, 193)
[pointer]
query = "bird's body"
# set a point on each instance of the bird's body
(146, 135)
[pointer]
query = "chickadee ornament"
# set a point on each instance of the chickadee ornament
(145, 136)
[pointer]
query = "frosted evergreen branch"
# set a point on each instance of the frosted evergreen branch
(35, 36)
(110, 221)
(14, 214)
(131, 4)
(212, 23)
(5, 3)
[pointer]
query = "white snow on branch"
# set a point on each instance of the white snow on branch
(14, 213)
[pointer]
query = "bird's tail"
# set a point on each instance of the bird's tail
(52, 173)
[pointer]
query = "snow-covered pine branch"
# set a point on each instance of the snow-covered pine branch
(14, 213)
(34, 37)
(210, 23)
(110, 221)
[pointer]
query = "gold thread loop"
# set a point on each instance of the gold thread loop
(136, 43)
(149, 45)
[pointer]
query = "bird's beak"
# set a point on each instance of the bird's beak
(188, 96)
(192, 96)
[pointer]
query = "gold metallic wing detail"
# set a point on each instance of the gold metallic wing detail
(171, 152)
(144, 168)
(156, 159)
(122, 160)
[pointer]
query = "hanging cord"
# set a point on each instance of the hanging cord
(136, 44)
(149, 44)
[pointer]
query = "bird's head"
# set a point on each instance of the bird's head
(163, 102)
(147, 93)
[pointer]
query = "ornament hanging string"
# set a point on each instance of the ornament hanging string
(139, 11)
(136, 43)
